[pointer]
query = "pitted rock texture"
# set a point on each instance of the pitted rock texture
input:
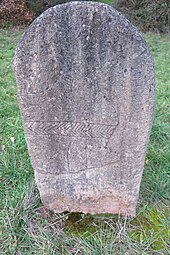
(86, 93)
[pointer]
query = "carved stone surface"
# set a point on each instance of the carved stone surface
(86, 94)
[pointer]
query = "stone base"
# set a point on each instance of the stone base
(115, 204)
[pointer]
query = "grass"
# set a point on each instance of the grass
(26, 227)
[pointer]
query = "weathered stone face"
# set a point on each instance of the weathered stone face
(86, 94)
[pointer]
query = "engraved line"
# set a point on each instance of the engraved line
(141, 53)
(109, 130)
(30, 127)
(103, 131)
(81, 129)
(79, 171)
(47, 127)
(54, 127)
(42, 126)
(65, 135)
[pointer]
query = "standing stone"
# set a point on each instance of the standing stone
(86, 94)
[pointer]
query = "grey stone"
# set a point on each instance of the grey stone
(86, 93)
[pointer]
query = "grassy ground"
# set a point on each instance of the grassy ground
(26, 227)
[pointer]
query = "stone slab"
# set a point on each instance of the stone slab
(86, 92)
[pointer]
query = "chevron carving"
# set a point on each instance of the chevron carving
(71, 129)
